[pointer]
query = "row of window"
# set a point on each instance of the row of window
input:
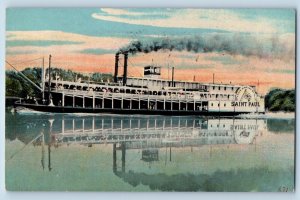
(166, 83)
(218, 104)
(220, 95)
(232, 88)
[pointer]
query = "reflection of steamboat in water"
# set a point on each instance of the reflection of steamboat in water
(148, 134)
(144, 141)
(162, 152)
(147, 95)
(141, 133)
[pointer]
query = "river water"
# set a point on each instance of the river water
(61, 152)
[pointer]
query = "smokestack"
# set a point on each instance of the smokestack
(116, 67)
(125, 68)
(172, 76)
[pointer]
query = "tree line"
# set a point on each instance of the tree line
(16, 86)
(280, 100)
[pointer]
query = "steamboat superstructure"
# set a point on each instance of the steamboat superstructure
(147, 95)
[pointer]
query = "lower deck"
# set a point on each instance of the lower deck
(69, 109)
(136, 104)
(129, 102)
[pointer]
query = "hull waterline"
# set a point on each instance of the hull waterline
(66, 109)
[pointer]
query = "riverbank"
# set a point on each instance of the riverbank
(270, 115)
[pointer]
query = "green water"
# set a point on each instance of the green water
(147, 153)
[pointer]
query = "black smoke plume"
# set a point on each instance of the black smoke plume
(235, 44)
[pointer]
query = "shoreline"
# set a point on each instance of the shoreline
(270, 115)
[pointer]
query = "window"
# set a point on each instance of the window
(225, 88)
(213, 87)
(219, 88)
(224, 104)
(232, 88)
(218, 105)
(212, 104)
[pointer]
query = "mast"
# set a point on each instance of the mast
(168, 72)
(172, 76)
(49, 82)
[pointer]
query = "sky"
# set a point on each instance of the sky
(241, 46)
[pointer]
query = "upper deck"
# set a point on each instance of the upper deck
(148, 84)
(158, 84)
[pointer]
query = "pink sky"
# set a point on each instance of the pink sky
(269, 72)
(252, 71)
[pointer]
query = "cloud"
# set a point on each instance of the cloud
(191, 18)
(13, 43)
(59, 42)
(64, 37)
(225, 60)
(98, 51)
(12, 52)
(115, 11)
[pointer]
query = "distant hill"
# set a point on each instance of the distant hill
(280, 100)
(18, 87)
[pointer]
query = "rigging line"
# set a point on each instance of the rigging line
(26, 89)
(25, 77)
(13, 155)
(134, 66)
(27, 61)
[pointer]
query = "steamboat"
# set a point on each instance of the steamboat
(149, 94)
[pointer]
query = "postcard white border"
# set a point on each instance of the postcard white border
(134, 3)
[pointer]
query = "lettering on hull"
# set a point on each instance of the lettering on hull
(245, 104)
